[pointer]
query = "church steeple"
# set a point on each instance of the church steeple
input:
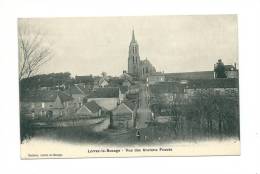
(133, 56)
(133, 36)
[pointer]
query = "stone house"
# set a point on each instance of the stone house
(123, 116)
(46, 104)
(90, 109)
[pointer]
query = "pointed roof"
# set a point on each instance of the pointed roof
(133, 36)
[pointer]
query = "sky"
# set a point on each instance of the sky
(92, 45)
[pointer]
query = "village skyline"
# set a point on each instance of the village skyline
(80, 45)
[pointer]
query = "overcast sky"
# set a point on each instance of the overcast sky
(85, 46)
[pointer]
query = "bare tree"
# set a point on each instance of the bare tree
(33, 50)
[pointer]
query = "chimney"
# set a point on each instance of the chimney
(235, 64)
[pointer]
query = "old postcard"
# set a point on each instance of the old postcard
(129, 86)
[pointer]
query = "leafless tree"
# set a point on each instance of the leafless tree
(33, 50)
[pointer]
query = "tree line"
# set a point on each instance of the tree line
(204, 116)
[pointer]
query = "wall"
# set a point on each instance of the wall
(77, 99)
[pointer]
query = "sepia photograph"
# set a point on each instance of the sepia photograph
(129, 86)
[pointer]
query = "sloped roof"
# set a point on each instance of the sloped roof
(103, 79)
(44, 96)
(83, 89)
(190, 75)
(74, 89)
(108, 92)
(93, 106)
(214, 83)
(130, 105)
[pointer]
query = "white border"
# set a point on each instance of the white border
(249, 85)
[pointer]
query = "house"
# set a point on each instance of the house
(78, 92)
(123, 115)
(90, 109)
(103, 82)
(96, 81)
(221, 86)
(46, 104)
(167, 92)
(231, 71)
(107, 97)
(156, 78)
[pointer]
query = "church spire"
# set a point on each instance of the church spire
(133, 36)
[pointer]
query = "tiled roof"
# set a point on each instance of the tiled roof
(44, 96)
(214, 83)
(190, 75)
(107, 92)
(93, 106)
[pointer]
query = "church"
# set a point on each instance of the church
(139, 69)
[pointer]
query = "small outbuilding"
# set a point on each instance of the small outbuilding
(90, 109)
(124, 115)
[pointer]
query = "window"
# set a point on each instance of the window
(133, 59)
(43, 105)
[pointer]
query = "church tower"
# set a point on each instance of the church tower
(133, 57)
